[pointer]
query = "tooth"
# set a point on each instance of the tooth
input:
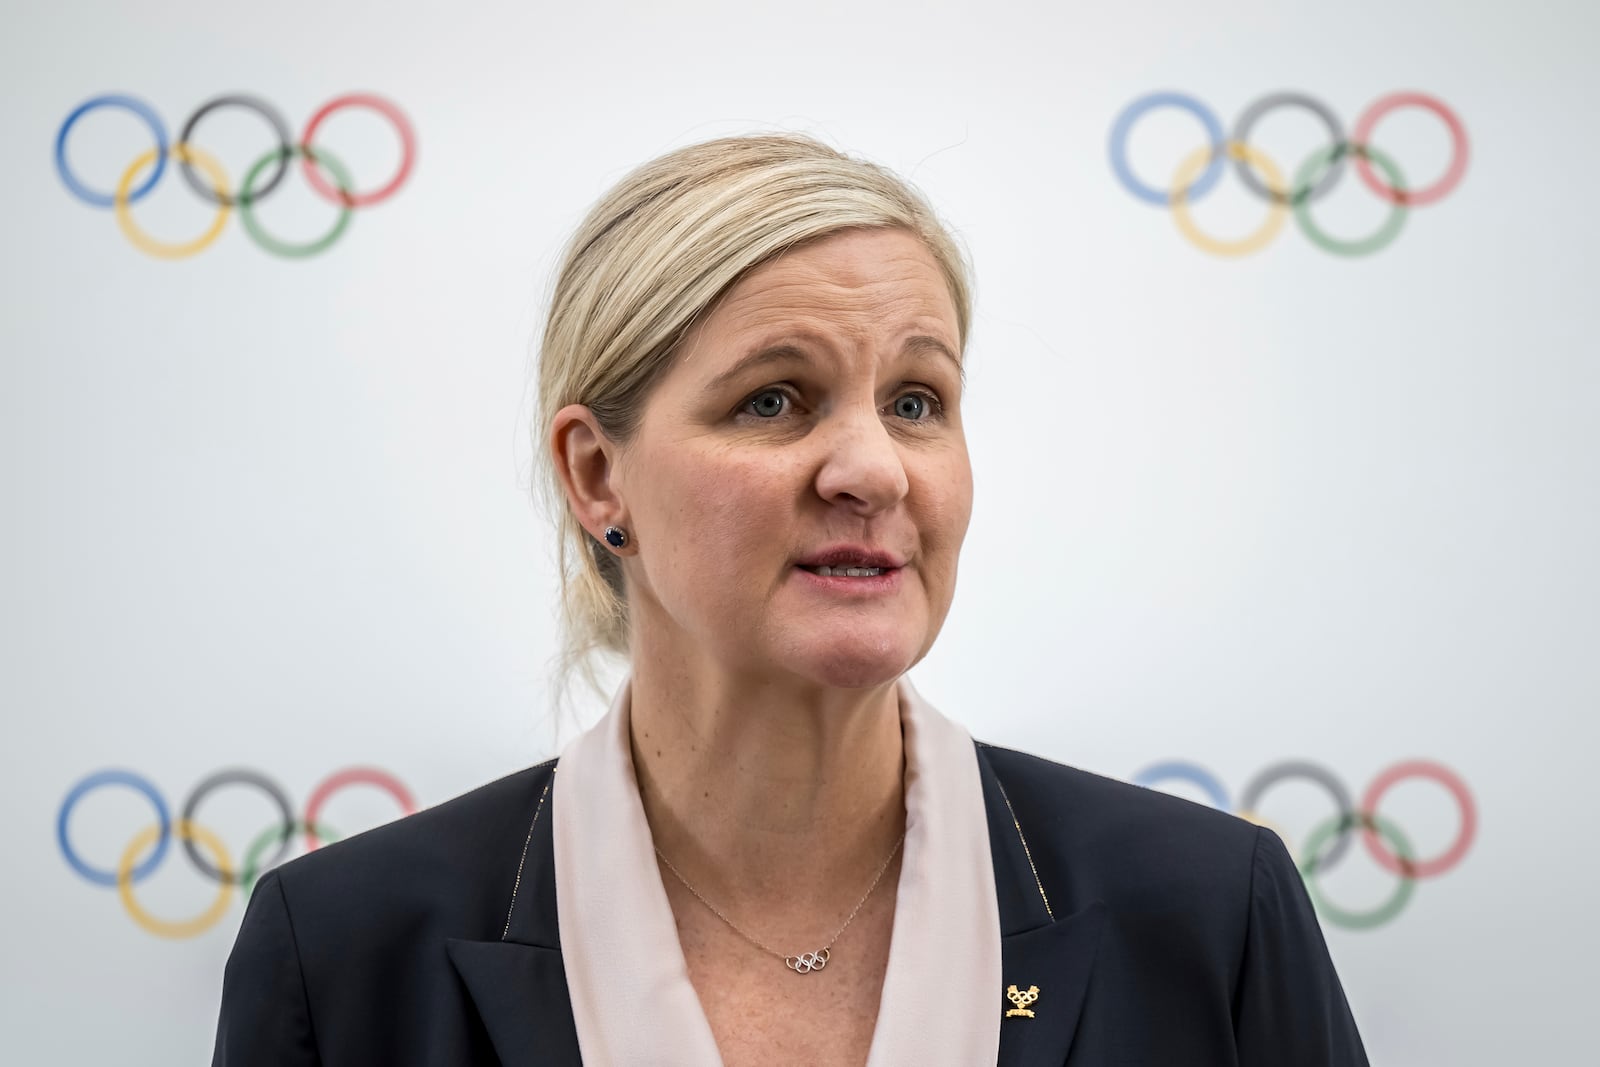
(847, 572)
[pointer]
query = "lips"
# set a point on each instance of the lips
(851, 557)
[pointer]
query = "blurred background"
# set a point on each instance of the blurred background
(1286, 507)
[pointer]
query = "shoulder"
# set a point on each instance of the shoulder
(1096, 838)
(1204, 920)
(1093, 808)
(450, 866)
(332, 941)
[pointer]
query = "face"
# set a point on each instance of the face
(798, 487)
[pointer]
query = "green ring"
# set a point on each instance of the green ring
(1311, 171)
(1358, 920)
(273, 835)
(341, 178)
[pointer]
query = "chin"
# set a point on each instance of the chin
(854, 661)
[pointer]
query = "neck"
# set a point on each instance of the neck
(764, 788)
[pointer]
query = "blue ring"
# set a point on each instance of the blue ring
(138, 107)
(1185, 772)
(95, 781)
(1124, 126)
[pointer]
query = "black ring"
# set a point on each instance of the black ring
(1250, 800)
(1241, 135)
(285, 151)
(238, 776)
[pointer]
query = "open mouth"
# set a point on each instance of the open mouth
(852, 561)
(846, 572)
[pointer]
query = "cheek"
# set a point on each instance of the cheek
(717, 515)
(947, 504)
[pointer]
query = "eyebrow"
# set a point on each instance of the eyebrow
(784, 352)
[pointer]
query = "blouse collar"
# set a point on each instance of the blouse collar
(632, 999)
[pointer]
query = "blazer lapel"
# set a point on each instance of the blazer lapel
(1054, 960)
(520, 992)
(1045, 958)
(519, 983)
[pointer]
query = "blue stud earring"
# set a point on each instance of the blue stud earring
(616, 536)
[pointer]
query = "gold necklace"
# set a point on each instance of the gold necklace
(805, 962)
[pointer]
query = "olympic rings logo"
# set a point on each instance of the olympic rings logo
(1199, 172)
(146, 850)
(259, 181)
(1329, 840)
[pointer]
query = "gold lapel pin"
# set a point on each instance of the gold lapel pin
(1021, 1000)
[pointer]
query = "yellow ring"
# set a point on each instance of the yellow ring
(185, 831)
(1277, 211)
(165, 249)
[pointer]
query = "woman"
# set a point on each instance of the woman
(771, 850)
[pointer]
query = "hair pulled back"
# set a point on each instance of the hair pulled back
(650, 259)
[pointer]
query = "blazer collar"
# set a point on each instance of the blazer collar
(518, 983)
(1040, 949)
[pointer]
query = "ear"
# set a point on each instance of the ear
(585, 460)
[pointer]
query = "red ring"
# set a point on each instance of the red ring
(1363, 135)
(408, 150)
(1419, 868)
(353, 776)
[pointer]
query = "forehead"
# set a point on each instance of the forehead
(864, 282)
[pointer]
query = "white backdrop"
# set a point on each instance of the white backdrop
(274, 514)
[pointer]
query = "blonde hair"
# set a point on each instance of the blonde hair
(652, 257)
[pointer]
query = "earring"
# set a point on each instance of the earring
(616, 536)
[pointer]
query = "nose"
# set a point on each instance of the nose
(862, 467)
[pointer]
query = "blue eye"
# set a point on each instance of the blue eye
(912, 406)
(768, 404)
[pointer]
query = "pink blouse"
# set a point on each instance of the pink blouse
(632, 1001)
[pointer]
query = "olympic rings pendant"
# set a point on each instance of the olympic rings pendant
(807, 962)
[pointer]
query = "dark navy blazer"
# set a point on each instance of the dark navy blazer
(1159, 933)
